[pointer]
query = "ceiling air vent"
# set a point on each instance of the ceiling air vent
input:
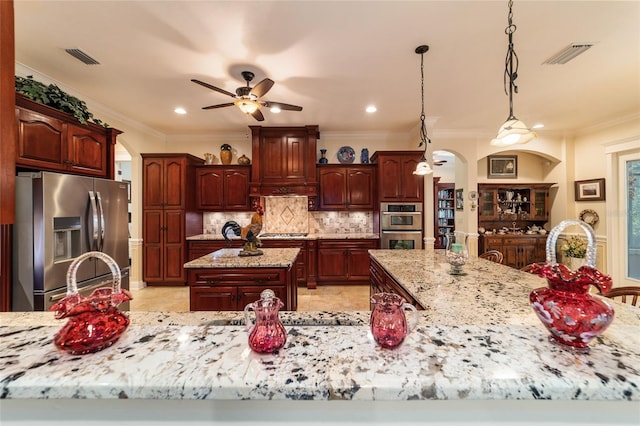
(568, 53)
(81, 56)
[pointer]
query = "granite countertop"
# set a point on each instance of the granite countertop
(477, 339)
(228, 258)
(310, 236)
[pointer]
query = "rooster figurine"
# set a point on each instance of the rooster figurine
(247, 233)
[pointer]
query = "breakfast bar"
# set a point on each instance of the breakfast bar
(479, 353)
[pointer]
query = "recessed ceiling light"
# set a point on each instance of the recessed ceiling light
(371, 109)
(538, 126)
(180, 111)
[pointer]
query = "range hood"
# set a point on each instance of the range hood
(284, 162)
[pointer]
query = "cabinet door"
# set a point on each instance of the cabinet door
(487, 204)
(153, 183)
(539, 204)
(209, 191)
(87, 151)
(236, 189)
(359, 264)
(153, 259)
(175, 185)
(210, 298)
(332, 264)
(41, 141)
(174, 245)
(249, 294)
(359, 186)
(273, 158)
(333, 187)
(412, 185)
(390, 178)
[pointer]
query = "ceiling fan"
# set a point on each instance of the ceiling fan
(248, 98)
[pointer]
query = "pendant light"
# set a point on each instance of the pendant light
(513, 131)
(423, 167)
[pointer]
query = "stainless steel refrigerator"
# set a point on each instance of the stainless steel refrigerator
(58, 218)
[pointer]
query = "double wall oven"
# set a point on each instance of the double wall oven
(401, 225)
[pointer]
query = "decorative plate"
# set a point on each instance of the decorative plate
(346, 154)
(473, 195)
(589, 216)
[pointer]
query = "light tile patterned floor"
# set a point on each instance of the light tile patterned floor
(323, 298)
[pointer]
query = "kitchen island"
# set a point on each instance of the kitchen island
(225, 281)
(478, 354)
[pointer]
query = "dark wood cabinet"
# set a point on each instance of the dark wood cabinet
(382, 282)
(48, 139)
(223, 188)
(502, 204)
(397, 183)
(347, 188)
(518, 250)
(284, 162)
(231, 289)
(168, 216)
(303, 260)
(344, 261)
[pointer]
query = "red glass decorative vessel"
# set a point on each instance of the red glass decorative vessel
(267, 334)
(94, 321)
(388, 321)
(572, 315)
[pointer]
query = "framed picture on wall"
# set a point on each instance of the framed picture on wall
(459, 200)
(502, 166)
(589, 190)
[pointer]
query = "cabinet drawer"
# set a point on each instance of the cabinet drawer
(494, 240)
(214, 277)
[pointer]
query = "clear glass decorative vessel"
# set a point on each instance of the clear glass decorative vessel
(388, 321)
(94, 322)
(572, 315)
(267, 334)
(457, 251)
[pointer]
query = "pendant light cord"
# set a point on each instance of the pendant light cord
(424, 137)
(511, 63)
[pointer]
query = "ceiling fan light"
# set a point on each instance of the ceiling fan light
(422, 169)
(275, 109)
(247, 106)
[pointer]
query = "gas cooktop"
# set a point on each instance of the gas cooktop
(284, 235)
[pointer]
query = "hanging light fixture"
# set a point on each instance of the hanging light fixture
(423, 167)
(513, 131)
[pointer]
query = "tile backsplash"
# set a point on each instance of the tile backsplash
(316, 222)
(285, 214)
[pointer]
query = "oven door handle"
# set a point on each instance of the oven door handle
(402, 213)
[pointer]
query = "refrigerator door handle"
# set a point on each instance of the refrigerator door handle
(101, 239)
(94, 215)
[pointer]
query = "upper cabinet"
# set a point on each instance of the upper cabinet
(48, 139)
(395, 176)
(517, 202)
(222, 188)
(347, 188)
(284, 161)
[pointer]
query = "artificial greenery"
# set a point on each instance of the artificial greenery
(574, 247)
(55, 97)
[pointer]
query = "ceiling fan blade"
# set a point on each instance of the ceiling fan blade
(263, 87)
(219, 106)
(257, 114)
(217, 89)
(283, 106)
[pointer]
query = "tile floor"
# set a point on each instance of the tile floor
(323, 298)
